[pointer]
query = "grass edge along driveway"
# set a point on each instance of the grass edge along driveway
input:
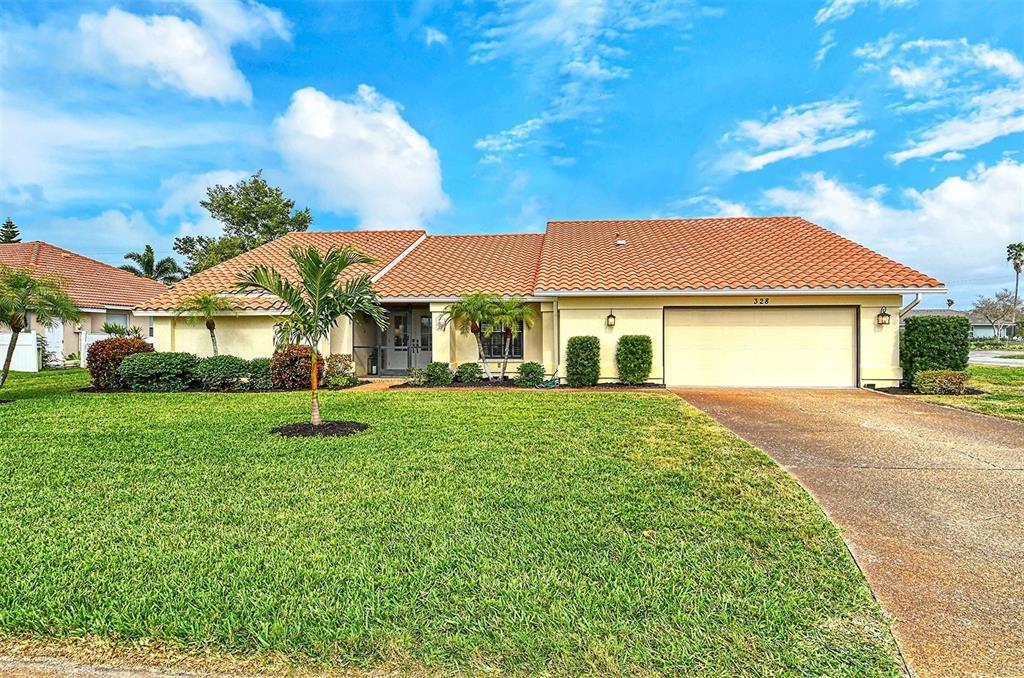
(1003, 397)
(514, 532)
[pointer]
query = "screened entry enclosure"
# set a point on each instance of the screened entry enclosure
(407, 342)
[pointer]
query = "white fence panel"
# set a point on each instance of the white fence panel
(26, 352)
(87, 339)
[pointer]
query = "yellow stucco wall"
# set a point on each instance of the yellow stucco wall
(879, 345)
(455, 347)
(245, 336)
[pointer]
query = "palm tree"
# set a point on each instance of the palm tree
(205, 306)
(474, 314)
(508, 314)
(319, 299)
(1015, 255)
(166, 270)
(21, 293)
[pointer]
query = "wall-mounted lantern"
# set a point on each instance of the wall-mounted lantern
(610, 320)
(883, 316)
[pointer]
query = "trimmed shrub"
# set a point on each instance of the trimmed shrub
(341, 371)
(941, 382)
(934, 343)
(583, 361)
(291, 366)
(159, 371)
(438, 374)
(417, 376)
(469, 373)
(259, 375)
(105, 356)
(530, 375)
(633, 356)
(224, 373)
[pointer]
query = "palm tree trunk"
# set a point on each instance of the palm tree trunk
(213, 340)
(506, 348)
(314, 381)
(483, 360)
(10, 356)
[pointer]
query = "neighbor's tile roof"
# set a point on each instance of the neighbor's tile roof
(381, 246)
(453, 265)
(90, 283)
(710, 254)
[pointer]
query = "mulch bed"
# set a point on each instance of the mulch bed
(327, 429)
(4, 401)
(900, 391)
(197, 389)
(508, 383)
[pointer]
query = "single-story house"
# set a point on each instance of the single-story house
(980, 327)
(763, 301)
(103, 293)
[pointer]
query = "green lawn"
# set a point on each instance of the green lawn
(1011, 356)
(516, 532)
(1004, 392)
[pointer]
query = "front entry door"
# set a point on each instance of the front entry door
(396, 344)
(423, 341)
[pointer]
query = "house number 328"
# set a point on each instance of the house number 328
(760, 301)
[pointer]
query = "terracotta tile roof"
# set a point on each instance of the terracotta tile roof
(453, 265)
(381, 246)
(90, 283)
(710, 254)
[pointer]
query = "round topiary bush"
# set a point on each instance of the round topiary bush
(583, 361)
(291, 367)
(159, 371)
(438, 374)
(224, 373)
(530, 375)
(106, 355)
(633, 356)
(469, 373)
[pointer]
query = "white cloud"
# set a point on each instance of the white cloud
(433, 36)
(55, 150)
(707, 206)
(975, 90)
(827, 43)
(106, 236)
(955, 231)
(361, 156)
(836, 10)
(169, 51)
(510, 139)
(569, 48)
(796, 132)
(952, 155)
(985, 117)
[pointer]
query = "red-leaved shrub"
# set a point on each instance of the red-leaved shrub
(290, 367)
(105, 356)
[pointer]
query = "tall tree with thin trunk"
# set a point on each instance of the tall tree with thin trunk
(474, 314)
(165, 270)
(205, 307)
(22, 293)
(509, 314)
(9, 233)
(1015, 255)
(318, 299)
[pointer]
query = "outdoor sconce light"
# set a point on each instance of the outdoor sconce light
(883, 316)
(610, 320)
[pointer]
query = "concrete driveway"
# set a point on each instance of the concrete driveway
(992, 358)
(930, 501)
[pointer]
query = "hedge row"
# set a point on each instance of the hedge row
(634, 355)
(934, 343)
(121, 363)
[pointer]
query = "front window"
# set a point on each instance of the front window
(120, 319)
(494, 345)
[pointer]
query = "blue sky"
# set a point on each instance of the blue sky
(898, 124)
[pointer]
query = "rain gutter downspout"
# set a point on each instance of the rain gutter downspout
(554, 331)
(910, 307)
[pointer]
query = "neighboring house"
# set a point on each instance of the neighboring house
(103, 294)
(980, 328)
(774, 301)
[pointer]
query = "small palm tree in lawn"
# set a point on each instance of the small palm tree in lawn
(166, 270)
(319, 299)
(508, 314)
(1015, 255)
(474, 314)
(205, 307)
(21, 293)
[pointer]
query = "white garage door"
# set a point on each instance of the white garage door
(774, 346)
